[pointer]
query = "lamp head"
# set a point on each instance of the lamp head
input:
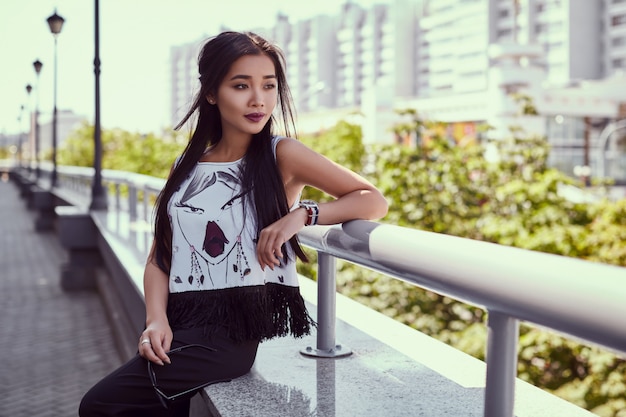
(56, 23)
(37, 64)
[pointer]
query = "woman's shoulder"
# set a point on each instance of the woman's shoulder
(294, 157)
(276, 140)
(285, 145)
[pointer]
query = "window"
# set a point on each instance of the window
(553, 46)
(619, 41)
(504, 33)
(618, 20)
(548, 5)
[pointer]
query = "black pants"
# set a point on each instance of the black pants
(128, 391)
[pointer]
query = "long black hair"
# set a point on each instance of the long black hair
(261, 180)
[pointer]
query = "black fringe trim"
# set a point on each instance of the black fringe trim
(249, 313)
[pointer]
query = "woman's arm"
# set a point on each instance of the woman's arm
(158, 331)
(156, 292)
(355, 197)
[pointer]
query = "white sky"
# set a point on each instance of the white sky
(135, 37)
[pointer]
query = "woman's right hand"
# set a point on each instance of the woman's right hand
(155, 341)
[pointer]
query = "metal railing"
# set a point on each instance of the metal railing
(132, 193)
(578, 298)
(582, 299)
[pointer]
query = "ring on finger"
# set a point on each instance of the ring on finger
(144, 341)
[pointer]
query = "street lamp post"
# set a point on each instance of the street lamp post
(20, 139)
(56, 24)
(29, 88)
(98, 193)
(37, 64)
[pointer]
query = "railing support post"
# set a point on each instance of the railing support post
(146, 205)
(132, 202)
(501, 365)
(326, 311)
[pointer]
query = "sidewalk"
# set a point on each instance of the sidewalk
(54, 345)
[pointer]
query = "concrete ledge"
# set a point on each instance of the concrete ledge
(121, 290)
(44, 202)
(76, 229)
(394, 371)
(24, 184)
(77, 234)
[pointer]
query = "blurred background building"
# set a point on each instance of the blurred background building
(466, 62)
(21, 144)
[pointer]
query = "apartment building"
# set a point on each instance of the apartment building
(453, 60)
(310, 49)
(184, 81)
(613, 16)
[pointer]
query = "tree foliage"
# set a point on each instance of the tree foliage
(500, 191)
(343, 142)
(122, 150)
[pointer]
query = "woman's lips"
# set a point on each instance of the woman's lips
(255, 117)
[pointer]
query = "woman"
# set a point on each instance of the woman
(221, 273)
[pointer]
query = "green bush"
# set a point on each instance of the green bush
(513, 200)
(121, 150)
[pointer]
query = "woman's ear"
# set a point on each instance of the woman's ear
(210, 99)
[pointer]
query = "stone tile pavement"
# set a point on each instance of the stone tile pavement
(53, 345)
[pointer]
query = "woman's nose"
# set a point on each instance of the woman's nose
(257, 98)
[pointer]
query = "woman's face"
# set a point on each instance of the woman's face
(247, 96)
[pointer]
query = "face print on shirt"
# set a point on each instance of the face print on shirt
(211, 229)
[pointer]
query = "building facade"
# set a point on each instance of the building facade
(453, 60)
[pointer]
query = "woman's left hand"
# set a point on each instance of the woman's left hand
(271, 238)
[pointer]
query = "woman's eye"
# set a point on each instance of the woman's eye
(270, 86)
(241, 86)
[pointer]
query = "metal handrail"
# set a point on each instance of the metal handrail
(79, 179)
(571, 296)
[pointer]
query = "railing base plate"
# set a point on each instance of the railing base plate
(338, 351)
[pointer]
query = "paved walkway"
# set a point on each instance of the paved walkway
(53, 345)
